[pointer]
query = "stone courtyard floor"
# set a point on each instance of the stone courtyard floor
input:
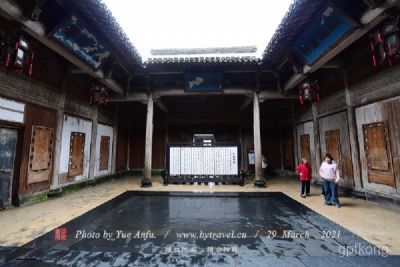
(167, 210)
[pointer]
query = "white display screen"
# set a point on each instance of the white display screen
(203, 160)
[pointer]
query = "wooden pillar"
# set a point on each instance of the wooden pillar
(146, 181)
(166, 128)
(354, 146)
(58, 139)
(259, 180)
(281, 147)
(295, 146)
(93, 140)
(128, 151)
(316, 138)
(242, 151)
(115, 138)
(166, 138)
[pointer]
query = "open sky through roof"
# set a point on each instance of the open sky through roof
(160, 24)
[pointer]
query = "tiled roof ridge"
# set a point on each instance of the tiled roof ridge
(204, 50)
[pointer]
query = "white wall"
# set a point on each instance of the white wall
(11, 110)
(75, 124)
(103, 130)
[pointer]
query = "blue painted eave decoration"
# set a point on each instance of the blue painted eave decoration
(327, 30)
(74, 35)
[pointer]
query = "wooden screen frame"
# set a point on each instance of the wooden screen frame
(104, 159)
(288, 153)
(37, 174)
(338, 159)
(379, 176)
(78, 169)
(309, 146)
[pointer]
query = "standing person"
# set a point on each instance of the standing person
(304, 169)
(329, 172)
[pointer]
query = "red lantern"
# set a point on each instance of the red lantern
(16, 53)
(309, 92)
(387, 39)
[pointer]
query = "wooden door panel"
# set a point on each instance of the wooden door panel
(76, 154)
(104, 153)
(288, 153)
(378, 153)
(40, 154)
(8, 146)
(332, 141)
(305, 149)
(122, 150)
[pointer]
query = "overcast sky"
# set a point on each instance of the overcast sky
(154, 24)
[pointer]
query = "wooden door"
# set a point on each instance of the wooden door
(76, 154)
(332, 141)
(305, 148)
(8, 146)
(40, 154)
(378, 153)
(288, 153)
(104, 153)
(122, 150)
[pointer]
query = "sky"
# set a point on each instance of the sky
(155, 24)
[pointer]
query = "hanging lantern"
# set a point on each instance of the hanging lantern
(16, 53)
(309, 92)
(99, 95)
(386, 41)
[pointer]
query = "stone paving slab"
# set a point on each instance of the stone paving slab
(200, 229)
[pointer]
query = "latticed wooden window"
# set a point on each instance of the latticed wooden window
(104, 153)
(76, 154)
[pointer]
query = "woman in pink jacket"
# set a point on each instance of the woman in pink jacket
(329, 173)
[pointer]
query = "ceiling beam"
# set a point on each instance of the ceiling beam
(282, 63)
(161, 105)
(293, 81)
(181, 72)
(246, 103)
(182, 92)
(133, 97)
(274, 95)
(157, 94)
(77, 71)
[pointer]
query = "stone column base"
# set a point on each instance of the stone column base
(259, 182)
(146, 182)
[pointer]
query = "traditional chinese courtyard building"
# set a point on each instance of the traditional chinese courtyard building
(77, 103)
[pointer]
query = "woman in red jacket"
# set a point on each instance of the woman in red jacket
(304, 169)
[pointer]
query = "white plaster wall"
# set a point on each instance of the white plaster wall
(103, 130)
(11, 110)
(75, 124)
